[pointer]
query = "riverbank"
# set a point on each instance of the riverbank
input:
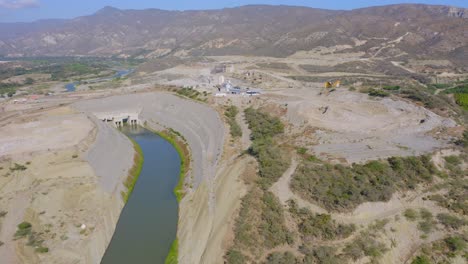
(181, 146)
(204, 133)
(134, 172)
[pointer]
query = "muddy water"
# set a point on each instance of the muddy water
(148, 223)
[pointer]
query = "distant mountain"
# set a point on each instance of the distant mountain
(421, 31)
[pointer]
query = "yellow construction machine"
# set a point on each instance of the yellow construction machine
(330, 85)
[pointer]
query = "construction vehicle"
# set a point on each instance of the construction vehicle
(330, 85)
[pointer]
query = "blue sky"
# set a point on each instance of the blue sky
(29, 10)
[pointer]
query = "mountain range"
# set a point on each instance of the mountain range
(408, 30)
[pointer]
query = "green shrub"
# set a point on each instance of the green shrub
(301, 151)
(42, 249)
(377, 93)
(456, 243)
(461, 89)
(3, 213)
(318, 226)
(453, 160)
(22, 232)
(425, 214)
(455, 198)
(411, 214)
(273, 226)
(24, 225)
(273, 162)
(341, 188)
(235, 257)
(391, 87)
(1, 243)
(365, 245)
(231, 113)
(321, 254)
(450, 221)
(421, 260)
(426, 226)
(282, 258)
(18, 167)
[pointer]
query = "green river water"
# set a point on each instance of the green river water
(148, 223)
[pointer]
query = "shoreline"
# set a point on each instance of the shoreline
(182, 148)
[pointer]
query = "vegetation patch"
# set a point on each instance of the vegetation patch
(442, 251)
(365, 245)
(343, 188)
(192, 94)
(231, 113)
(172, 257)
(318, 226)
(455, 198)
(260, 225)
(462, 100)
(134, 172)
(18, 167)
(3, 213)
(272, 160)
(451, 221)
(378, 93)
(34, 239)
(282, 258)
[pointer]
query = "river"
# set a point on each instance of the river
(148, 223)
(71, 87)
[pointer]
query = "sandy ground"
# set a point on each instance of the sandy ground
(59, 191)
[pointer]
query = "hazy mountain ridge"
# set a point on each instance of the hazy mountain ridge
(401, 30)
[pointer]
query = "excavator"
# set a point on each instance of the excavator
(330, 85)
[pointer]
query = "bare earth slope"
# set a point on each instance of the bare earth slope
(422, 31)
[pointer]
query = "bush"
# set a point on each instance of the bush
(391, 87)
(282, 258)
(1, 243)
(377, 93)
(3, 213)
(321, 255)
(273, 227)
(272, 161)
(231, 113)
(421, 260)
(24, 225)
(42, 249)
(341, 188)
(426, 226)
(453, 160)
(455, 198)
(450, 221)
(411, 214)
(455, 244)
(235, 257)
(18, 167)
(365, 245)
(301, 151)
(318, 226)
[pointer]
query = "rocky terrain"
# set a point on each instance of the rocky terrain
(397, 31)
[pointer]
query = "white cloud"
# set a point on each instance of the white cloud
(18, 4)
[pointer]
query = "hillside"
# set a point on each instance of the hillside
(416, 31)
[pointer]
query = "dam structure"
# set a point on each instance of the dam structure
(120, 118)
